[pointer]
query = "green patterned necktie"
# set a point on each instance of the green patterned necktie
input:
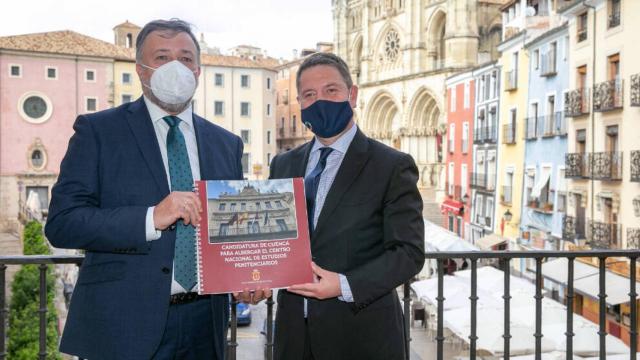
(184, 261)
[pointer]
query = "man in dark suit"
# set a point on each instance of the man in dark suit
(124, 196)
(367, 232)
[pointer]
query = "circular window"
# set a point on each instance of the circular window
(35, 107)
(392, 45)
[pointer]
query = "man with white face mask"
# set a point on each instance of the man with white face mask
(124, 196)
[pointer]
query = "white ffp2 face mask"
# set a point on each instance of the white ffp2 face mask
(172, 83)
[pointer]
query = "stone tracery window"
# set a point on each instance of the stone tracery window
(391, 46)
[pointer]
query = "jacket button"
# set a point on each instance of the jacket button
(166, 270)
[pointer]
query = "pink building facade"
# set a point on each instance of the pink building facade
(456, 206)
(41, 94)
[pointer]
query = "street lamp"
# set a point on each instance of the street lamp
(465, 198)
(507, 216)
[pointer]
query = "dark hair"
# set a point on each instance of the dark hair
(321, 58)
(172, 25)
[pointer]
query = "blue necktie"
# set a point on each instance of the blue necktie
(311, 183)
(184, 261)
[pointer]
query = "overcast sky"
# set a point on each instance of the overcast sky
(278, 26)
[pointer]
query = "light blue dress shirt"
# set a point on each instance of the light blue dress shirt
(340, 147)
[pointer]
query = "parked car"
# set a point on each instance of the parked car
(243, 312)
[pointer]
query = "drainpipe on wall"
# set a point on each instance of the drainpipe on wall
(593, 114)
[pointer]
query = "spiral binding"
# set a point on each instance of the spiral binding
(198, 246)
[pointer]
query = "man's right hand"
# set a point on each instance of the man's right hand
(178, 205)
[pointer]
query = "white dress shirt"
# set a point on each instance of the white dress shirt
(162, 129)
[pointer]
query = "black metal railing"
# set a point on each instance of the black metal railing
(569, 232)
(633, 238)
(511, 80)
(576, 165)
(635, 90)
(576, 102)
(479, 180)
(614, 19)
(603, 235)
(531, 126)
(582, 35)
(559, 124)
(608, 95)
(44, 261)
(635, 166)
(606, 165)
(455, 191)
(485, 134)
(504, 258)
(548, 63)
(509, 133)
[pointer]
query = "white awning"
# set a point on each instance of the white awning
(488, 241)
(557, 270)
(437, 238)
(545, 174)
(616, 286)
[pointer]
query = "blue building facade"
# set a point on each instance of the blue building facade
(544, 187)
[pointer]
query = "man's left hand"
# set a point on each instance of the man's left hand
(252, 297)
(327, 286)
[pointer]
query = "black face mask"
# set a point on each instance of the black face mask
(327, 118)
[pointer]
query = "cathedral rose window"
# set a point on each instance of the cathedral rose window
(392, 45)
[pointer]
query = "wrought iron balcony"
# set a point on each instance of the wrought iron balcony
(511, 80)
(569, 228)
(530, 130)
(576, 165)
(506, 196)
(576, 102)
(602, 235)
(606, 165)
(614, 19)
(441, 258)
(548, 64)
(485, 134)
(635, 90)
(582, 35)
(479, 180)
(559, 124)
(633, 238)
(608, 95)
(635, 166)
(509, 134)
(455, 192)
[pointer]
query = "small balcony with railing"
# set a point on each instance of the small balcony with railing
(608, 95)
(572, 228)
(614, 19)
(479, 180)
(506, 195)
(604, 235)
(633, 238)
(548, 64)
(511, 80)
(576, 165)
(509, 134)
(576, 102)
(635, 90)
(485, 134)
(557, 123)
(635, 166)
(455, 192)
(606, 166)
(530, 130)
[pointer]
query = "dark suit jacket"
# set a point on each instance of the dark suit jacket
(370, 229)
(111, 174)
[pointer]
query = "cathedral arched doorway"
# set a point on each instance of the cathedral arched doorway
(380, 116)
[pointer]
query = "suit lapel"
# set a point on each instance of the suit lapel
(352, 164)
(142, 129)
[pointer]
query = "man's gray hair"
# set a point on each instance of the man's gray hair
(173, 25)
(329, 59)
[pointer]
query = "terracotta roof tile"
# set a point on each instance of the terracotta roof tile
(236, 61)
(66, 42)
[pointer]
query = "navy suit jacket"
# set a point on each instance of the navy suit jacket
(112, 172)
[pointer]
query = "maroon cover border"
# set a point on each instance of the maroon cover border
(217, 276)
